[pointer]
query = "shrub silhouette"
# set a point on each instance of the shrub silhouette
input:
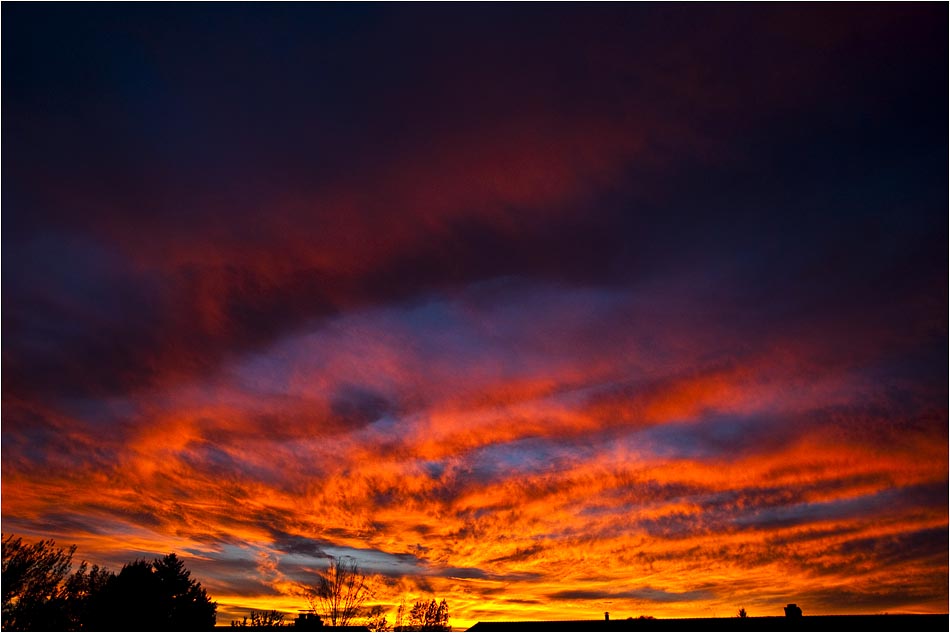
(261, 620)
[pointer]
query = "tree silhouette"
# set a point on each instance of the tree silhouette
(158, 595)
(34, 585)
(340, 592)
(81, 591)
(742, 613)
(425, 616)
(39, 593)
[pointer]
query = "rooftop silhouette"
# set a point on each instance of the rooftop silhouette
(928, 622)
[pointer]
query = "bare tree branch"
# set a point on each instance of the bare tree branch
(340, 592)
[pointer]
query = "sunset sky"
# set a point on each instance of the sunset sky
(546, 310)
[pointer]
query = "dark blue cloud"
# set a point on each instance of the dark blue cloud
(644, 593)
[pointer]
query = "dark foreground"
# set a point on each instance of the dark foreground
(934, 622)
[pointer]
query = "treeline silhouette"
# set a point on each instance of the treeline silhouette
(42, 593)
(423, 616)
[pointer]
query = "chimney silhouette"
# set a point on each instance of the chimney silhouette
(606, 616)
